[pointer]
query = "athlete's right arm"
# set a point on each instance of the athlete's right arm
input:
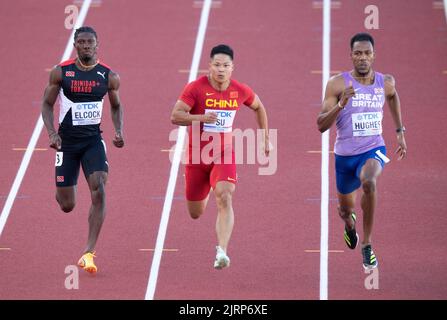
(180, 115)
(49, 98)
(335, 99)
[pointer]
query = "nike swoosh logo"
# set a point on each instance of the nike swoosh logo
(209, 93)
(230, 179)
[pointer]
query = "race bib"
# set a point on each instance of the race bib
(366, 124)
(224, 122)
(86, 113)
(59, 159)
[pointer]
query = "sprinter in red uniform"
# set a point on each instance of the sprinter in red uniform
(210, 103)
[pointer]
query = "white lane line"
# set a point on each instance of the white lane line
(325, 158)
(152, 282)
(445, 10)
(38, 128)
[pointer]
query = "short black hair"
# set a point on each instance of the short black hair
(85, 29)
(222, 48)
(362, 36)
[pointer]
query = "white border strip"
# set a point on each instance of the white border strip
(325, 159)
(38, 128)
(152, 282)
(382, 156)
(445, 9)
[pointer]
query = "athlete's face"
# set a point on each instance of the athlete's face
(362, 56)
(221, 67)
(86, 45)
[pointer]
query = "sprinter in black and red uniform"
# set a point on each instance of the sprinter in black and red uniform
(81, 84)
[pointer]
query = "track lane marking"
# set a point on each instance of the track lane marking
(24, 149)
(188, 71)
(200, 38)
(321, 72)
(215, 4)
(165, 250)
(317, 151)
(318, 251)
(324, 210)
(321, 5)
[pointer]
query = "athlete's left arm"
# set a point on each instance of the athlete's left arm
(116, 108)
(261, 118)
(394, 103)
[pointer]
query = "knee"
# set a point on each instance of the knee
(98, 193)
(195, 214)
(345, 211)
(369, 186)
(67, 206)
(223, 199)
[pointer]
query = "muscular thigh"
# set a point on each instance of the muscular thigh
(94, 158)
(197, 181)
(351, 169)
(223, 172)
(372, 163)
(97, 180)
(67, 164)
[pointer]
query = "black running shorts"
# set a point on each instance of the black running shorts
(88, 152)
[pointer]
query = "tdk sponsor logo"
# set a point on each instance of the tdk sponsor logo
(224, 114)
(87, 106)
